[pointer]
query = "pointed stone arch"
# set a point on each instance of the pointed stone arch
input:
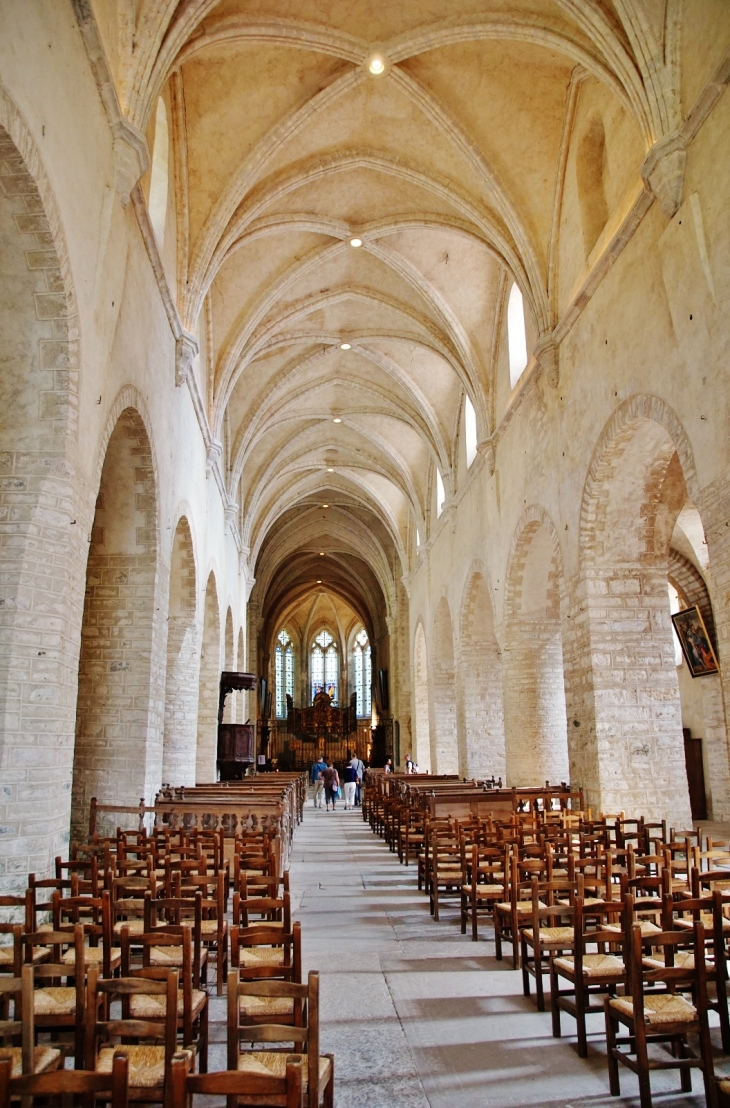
(534, 690)
(44, 511)
(444, 746)
(626, 705)
(421, 713)
(181, 686)
(209, 684)
(119, 718)
(480, 710)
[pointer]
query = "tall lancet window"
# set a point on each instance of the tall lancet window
(324, 666)
(284, 667)
(363, 674)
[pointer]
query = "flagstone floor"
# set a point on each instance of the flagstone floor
(416, 1014)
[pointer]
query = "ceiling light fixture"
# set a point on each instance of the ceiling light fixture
(337, 420)
(319, 582)
(330, 470)
(345, 346)
(325, 505)
(376, 65)
(355, 242)
(321, 553)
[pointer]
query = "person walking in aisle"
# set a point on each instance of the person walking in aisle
(331, 785)
(317, 779)
(359, 770)
(350, 784)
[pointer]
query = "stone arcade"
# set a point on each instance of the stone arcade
(389, 331)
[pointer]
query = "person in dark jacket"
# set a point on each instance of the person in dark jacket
(350, 785)
(331, 785)
(317, 779)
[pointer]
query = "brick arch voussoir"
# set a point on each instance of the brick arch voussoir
(612, 442)
(533, 517)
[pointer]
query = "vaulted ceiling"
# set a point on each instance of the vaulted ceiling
(356, 186)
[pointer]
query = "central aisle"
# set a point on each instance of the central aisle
(416, 1014)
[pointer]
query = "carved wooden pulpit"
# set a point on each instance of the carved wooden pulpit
(235, 740)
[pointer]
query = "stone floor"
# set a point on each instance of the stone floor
(415, 1013)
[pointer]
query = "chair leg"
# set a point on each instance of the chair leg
(580, 1019)
(203, 1062)
(539, 991)
(497, 937)
(613, 1077)
(555, 1002)
(642, 1064)
(474, 922)
(525, 966)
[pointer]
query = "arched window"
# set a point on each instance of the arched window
(440, 494)
(470, 431)
(516, 335)
(284, 665)
(363, 674)
(324, 666)
(160, 171)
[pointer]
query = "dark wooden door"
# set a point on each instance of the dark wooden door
(695, 775)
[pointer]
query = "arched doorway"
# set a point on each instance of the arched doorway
(209, 686)
(534, 689)
(118, 754)
(444, 750)
(181, 686)
(479, 686)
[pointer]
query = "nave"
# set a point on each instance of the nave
(415, 1014)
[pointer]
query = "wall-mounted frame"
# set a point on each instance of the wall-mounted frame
(695, 642)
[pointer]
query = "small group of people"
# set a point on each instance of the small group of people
(409, 765)
(326, 780)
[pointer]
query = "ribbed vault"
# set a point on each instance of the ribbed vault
(335, 373)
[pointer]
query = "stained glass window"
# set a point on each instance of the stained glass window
(324, 666)
(363, 674)
(284, 672)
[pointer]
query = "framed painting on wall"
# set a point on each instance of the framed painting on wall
(695, 642)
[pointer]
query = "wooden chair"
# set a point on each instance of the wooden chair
(275, 1092)
(164, 912)
(58, 1007)
(591, 970)
(444, 871)
(192, 1002)
(318, 1071)
(11, 954)
(213, 923)
(60, 1085)
(94, 915)
(660, 1017)
(548, 931)
(261, 951)
(150, 1063)
(26, 1058)
(514, 912)
(483, 871)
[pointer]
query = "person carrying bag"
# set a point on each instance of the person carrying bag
(331, 786)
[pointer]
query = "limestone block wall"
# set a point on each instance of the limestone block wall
(120, 702)
(42, 534)
(479, 687)
(181, 686)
